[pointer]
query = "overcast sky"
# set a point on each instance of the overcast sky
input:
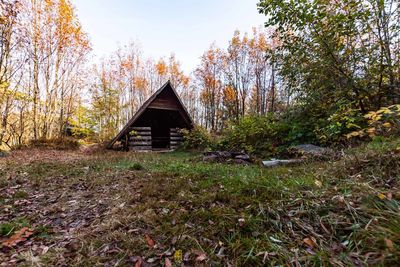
(161, 27)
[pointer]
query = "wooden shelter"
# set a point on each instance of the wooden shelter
(155, 126)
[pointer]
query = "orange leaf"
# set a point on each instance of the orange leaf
(139, 263)
(20, 236)
(310, 242)
(168, 262)
(150, 242)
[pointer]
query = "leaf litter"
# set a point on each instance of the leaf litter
(93, 208)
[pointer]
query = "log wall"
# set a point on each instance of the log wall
(142, 139)
(175, 138)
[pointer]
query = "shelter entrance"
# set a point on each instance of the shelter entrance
(162, 122)
(160, 136)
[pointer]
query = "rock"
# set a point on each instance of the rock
(313, 151)
(210, 158)
(244, 157)
(241, 162)
(278, 162)
(226, 156)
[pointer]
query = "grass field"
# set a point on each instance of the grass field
(87, 208)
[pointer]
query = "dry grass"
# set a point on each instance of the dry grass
(96, 208)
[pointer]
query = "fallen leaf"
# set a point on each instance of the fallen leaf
(310, 242)
(20, 236)
(318, 183)
(389, 244)
(201, 257)
(44, 250)
(168, 262)
(150, 241)
(178, 256)
(138, 262)
(381, 196)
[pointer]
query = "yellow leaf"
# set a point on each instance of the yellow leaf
(370, 115)
(387, 125)
(354, 134)
(318, 183)
(178, 256)
(381, 196)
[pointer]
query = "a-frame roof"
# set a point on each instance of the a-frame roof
(183, 112)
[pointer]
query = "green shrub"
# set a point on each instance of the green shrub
(198, 138)
(260, 135)
(344, 121)
(136, 166)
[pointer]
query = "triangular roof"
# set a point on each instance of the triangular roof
(167, 85)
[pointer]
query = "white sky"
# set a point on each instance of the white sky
(161, 27)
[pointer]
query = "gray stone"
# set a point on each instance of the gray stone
(210, 158)
(309, 150)
(241, 162)
(224, 154)
(244, 157)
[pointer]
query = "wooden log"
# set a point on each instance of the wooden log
(137, 138)
(138, 143)
(136, 148)
(142, 134)
(175, 134)
(174, 138)
(172, 143)
(140, 128)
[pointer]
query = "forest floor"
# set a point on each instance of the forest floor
(93, 207)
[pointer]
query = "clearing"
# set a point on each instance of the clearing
(86, 208)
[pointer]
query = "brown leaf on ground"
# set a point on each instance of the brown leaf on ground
(150, 241)
(201, 257)
(389, 244)
(310, 242)
(168, 262)
(20, 236)
(139, 262)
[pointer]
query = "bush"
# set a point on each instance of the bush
(198, 138)
(259, 135)
(136, 166)
(344, 121)
(65, 143)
